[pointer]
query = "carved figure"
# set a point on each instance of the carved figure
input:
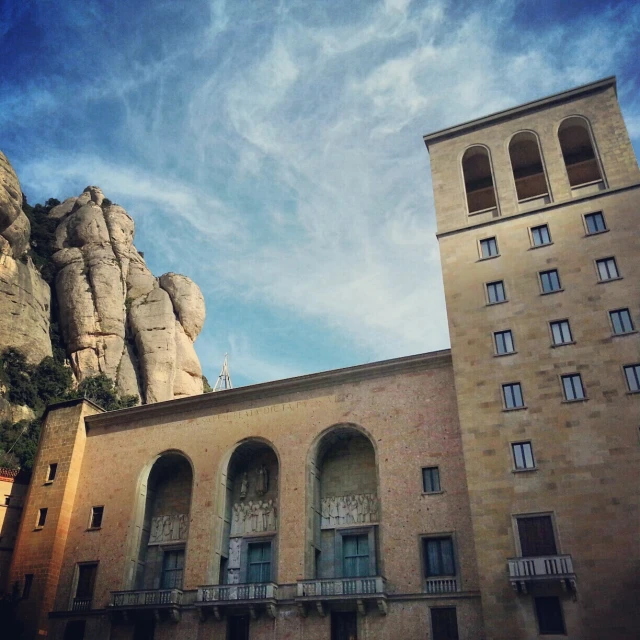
(156, 530)
(256, 520)
(262, 484)
(183, 526)
(244, 486)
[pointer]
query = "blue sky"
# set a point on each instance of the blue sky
(272, 150)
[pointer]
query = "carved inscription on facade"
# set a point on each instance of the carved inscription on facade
(169, 528)
(253, 517)
(356, 509)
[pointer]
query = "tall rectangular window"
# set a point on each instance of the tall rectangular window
(430, 479)
(512, 394)
(561, 332)
(355, 556)
(523, 455)
(444, 623)
(549, 614)
(28, 583)
(259, 559)
(595, 223)
(632, 374)
(438, 555)
(42, 518)
(495, 292)
(621, 321)
(536, 536)
(489, 247)
(96, 517)
(86, 581)
(504, 342)
(572, 387)
(172, 569)
(51, 472)
(607, 269)
(550, 281)
(540, 235)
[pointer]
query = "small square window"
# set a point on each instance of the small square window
(523, 455)
(549, 614)
(431, 479)
(595, 223)
(632, 374)
(504, 342)
(572, 387)
(489, 247)
(51, 472)
(550, 281)
(621, 321)
(42, 518)
(561, 332)
(540, 235)
(96, 517)
(607, 269)
(495, 292)
(512, 394)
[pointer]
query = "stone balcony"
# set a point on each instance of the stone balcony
(155, 600)
(436, 586)
(524, 571)
(251, 597)
(81, 604)
(320, 593)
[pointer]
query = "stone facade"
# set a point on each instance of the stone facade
(385, 501)
(587, 463)
(13, 489)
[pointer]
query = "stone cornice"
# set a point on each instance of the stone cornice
(523, 109)
(212, 400)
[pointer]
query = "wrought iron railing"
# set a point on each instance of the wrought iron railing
(142, 598)
(234, 592)
(81, 604)
(341, 587)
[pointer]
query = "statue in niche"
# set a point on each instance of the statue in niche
(262, 486)
(167, 528)
(256, 520)
(244, 486)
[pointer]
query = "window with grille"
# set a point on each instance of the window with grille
(572, 387)
(495, 292)
(444, 623)
(595, 223)
(607, 269)
(504, 342)
(550, 281)
(561, 332)
(489, 247)
(536, 536)
(549, 615)
(512, 394)
(621, 321)
(355, 556)
(430, 479)
(259, 559)
(632, 374)
(438, 557)
(523, 455)
(540, 235)
(172, 569)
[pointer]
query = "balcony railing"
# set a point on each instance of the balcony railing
(235, 592)
(81, 604)
(441, 585)
(542, 568)
(341, 587)
(147, 598)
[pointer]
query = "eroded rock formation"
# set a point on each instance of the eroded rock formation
(115, 317)
(25, 297)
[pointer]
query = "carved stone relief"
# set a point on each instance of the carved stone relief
(355, 509)
(234, 553)
(172, 528)
(253, 517)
